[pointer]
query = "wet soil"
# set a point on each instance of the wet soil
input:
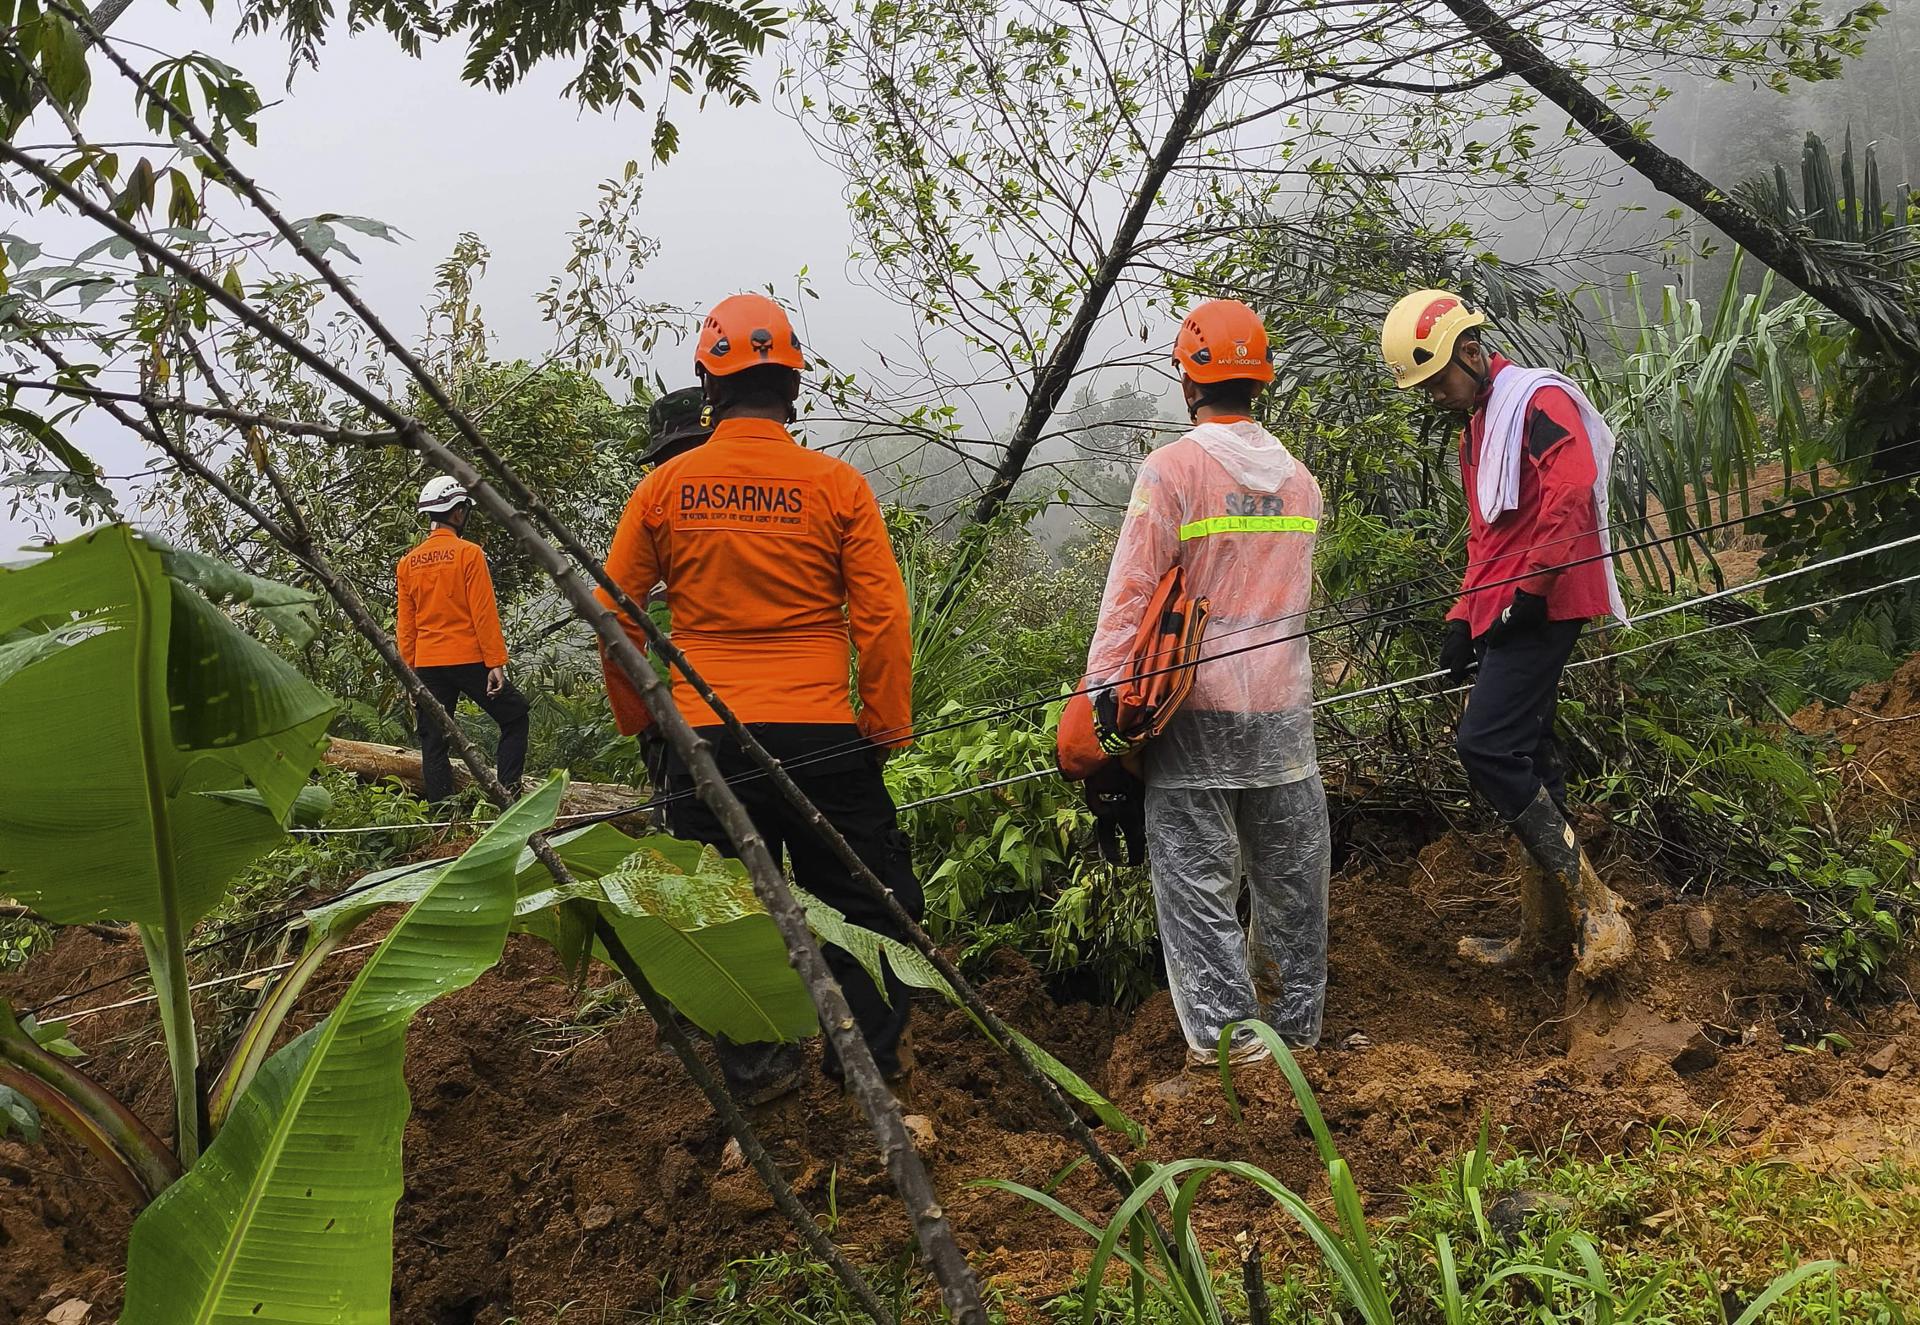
(1877, 739)
(556, 1157)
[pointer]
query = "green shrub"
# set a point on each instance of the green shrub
(1014, 866)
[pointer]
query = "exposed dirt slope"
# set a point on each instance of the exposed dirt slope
(549, 1163)
(1881, 775)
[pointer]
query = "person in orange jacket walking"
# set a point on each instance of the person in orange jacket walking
(777, 567)
(448, 629)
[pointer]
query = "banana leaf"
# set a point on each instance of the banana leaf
(115, 739)
(288, 1217)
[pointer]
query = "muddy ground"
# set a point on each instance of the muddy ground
(1878, 728)
(556, 1157)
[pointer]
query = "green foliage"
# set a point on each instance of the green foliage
(290, 1216)
(1013, 867)
(1444, 1260)
(327, 862)
(1865, 902)
(18, 1116)
(129, 734)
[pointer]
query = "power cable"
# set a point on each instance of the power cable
(1029, 776)
(1741, 622)
(1010, 709)
(1007, 710)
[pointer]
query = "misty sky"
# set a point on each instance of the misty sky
(375, 133)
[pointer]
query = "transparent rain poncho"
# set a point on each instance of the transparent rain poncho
(1229, 503)
(1200, 844)
(1233, 790)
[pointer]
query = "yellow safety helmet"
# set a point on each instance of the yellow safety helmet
(1417, 338)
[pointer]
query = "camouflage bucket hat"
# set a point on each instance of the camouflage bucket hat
(673, 421)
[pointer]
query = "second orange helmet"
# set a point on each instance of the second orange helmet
(1223, 339)
(744, 331)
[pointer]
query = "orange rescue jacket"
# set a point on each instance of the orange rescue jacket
(446, 610)
(776, 564)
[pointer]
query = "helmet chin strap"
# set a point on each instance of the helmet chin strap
(1482, 379)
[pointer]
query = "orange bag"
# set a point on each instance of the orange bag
(1098, 731)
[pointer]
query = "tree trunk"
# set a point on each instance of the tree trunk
(371, 762)
(1768, 242)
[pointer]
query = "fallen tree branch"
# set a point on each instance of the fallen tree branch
(370, 761)
(949, 1266)
(175, 405)
(295, 536)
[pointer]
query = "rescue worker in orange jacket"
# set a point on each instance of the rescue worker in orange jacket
(448, 630)
(777, 568)
(1232, 783)
(1534, 462)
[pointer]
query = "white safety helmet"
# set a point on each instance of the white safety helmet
(442, 493)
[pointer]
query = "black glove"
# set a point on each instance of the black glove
(1524, 615)
(1457, 658)
(1118, 800)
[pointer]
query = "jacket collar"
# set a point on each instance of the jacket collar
(1495, 362)
(750, 430)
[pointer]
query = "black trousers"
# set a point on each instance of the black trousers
(1505, 738)
(508, 709)
(849, 791)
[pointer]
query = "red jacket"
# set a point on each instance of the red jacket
(1554, 523)
(777, 566)
(447, 615)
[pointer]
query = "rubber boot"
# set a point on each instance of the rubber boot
(1602, 938)
(1546, 926)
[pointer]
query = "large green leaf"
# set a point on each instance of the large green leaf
(115, 741)
(288, 1217)
(690, 918)
(101, 811)
(288, 610)
(686, 913)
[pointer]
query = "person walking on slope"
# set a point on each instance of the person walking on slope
(777, 566)
(448, 630)
(1232, 783)
(1534, 462)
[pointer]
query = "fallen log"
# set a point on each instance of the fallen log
(373, 762)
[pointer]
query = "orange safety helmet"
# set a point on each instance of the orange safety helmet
(1223, 339)
(744, 331)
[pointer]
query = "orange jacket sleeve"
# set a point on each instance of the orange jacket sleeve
(406, 631)
(484, 612)
(634, 564)
(880, 621)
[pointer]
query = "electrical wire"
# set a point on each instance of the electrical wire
(1018, 778)
(72, 1017)
(1008, 710)
(1741, 622)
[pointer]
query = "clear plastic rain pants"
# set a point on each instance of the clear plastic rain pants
(1201, 841)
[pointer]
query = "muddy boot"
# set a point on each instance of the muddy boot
(1546, 927)
(1602, 939)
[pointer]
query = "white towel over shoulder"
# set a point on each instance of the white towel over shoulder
(1498, 485)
